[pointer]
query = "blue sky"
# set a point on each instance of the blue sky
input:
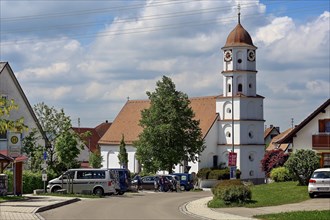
(89, 56)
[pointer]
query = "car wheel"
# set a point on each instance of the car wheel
(98, 191)
(311, 195)
(183, 188)
(121, 193)
(55, 189)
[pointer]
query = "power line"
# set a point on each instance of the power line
(159, 27)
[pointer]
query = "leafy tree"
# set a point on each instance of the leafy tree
(6, 106)
(302, 164)
(273, 159)
(170, 133)
(33, 150)
(123, 156)
(95, 159)
(62, 148)
(67, 149)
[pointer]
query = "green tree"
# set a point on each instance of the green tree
(95, 159)
(123, 156)
(170, 134)
(33, 150)
(302, 164)
(67, 149)
(6, 106)
(62, 148)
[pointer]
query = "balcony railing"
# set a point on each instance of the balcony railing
(321, 141)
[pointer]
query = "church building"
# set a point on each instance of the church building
(231, 122)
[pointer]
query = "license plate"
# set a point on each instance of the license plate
(323, 189)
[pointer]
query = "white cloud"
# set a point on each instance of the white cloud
(276, 30)
(127, 56)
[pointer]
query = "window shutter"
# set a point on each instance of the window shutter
(321, 125)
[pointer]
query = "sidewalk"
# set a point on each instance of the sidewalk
(28, 209)
(198, 209)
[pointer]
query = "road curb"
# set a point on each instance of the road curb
(56, 205)
(183, 209)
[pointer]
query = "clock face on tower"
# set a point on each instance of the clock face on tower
(227, 55)
(251, 55)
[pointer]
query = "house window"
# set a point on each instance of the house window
(228, 134)
(5, 98)
(3, 135)
(325, 160)
(240, 87)
(324, 125)
(229, 87)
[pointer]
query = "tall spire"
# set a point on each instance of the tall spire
(239, 13)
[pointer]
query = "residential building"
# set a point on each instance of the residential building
(90, 143)
(10, 89)
(270, 133)
(313, 133)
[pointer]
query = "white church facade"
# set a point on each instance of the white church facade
(230, 122)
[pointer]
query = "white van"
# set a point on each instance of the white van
(96, 181)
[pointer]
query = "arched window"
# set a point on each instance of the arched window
(240, 87)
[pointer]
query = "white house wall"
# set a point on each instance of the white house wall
(303, 138)
(9, 89)
(110, 157)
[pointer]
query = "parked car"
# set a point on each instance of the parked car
(122, 179)
(147, 182)
(96, 181)
(186, 181)
(172, 182)
(319, 183)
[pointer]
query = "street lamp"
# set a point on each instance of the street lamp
(232, 154)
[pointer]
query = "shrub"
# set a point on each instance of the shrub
(302, 164)
(232, 191)
(236, 194)
(203, 173)
(273, 159)
(31, 180)
(219, 174)
(280, 174)
(219, 187)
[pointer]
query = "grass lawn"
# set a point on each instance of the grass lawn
(270, 195)
(301, 215)
(8, 198)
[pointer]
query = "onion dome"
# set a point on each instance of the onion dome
(239, 36)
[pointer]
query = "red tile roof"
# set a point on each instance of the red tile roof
(274, 144)
(127, 121)
(18, 159)
(90, 142)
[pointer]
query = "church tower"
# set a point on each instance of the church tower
(241, 124)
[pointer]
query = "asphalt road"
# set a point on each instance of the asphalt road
(147, 205)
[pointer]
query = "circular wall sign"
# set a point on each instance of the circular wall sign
(14, 139)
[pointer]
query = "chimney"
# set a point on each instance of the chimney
(271, 126)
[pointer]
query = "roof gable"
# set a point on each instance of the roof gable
(320, 109)
(127, 121)
(5, 65)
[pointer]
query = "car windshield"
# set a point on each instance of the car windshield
(321, 175)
